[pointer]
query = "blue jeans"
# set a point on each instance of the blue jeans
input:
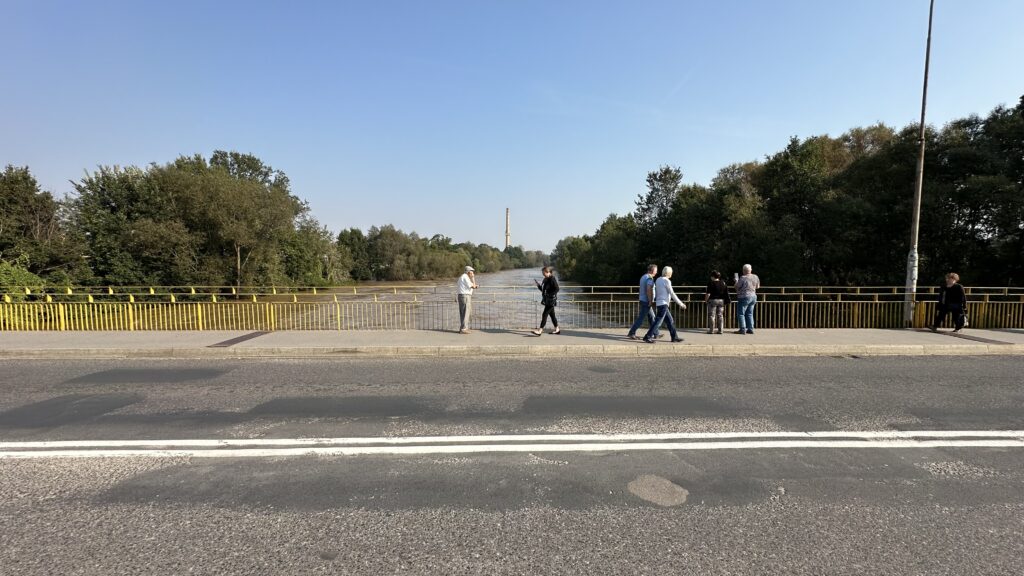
(663, 316)
(745, 312)
(645, 312)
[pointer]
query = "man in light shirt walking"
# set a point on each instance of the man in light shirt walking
(464, 294)
(663, 295)
(646, 302)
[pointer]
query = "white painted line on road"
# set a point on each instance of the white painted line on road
(399, 440)
(498, 448)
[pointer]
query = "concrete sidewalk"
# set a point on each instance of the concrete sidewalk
(571, 343)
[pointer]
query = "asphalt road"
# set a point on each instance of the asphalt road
(876, 509)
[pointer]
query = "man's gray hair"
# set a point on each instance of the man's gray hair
(653, 268)
(666, 271)
(747, 269)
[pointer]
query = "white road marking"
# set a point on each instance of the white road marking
(229, 442)
(264, 448)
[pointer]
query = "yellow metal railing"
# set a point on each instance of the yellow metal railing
(433, 291)
(488, 313)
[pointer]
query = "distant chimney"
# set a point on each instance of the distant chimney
(508, 231)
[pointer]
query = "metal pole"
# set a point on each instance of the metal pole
(912, 258)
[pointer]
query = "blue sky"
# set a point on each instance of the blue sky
(436, 115)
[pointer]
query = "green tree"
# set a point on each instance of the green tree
(611, 253)
(662, 187)
(355, 243)
(107, 206)
(32, 231)
(569, 253)
(187, 222)
(311, 256)
(655, 237)
(14, 278)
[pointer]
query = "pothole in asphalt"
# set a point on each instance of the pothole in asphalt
(658, 490)
(328, 555)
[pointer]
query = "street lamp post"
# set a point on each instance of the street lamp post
(912, 258)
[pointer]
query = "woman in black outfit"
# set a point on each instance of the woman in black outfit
(549, 298)
(716, 296)
(952, 299)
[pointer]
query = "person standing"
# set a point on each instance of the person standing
(646, 299)
(716, 296)
(746, 299)
(952, 299)
(663, 295)
(464, 294)
(549, 298)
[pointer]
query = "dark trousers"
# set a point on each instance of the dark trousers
(956, 311)
(663, 316)
(549, 310)
(645, 312)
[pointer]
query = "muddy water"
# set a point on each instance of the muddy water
(506, 300)
(508, 283)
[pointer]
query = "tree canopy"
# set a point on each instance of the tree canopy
(227, 220)
(833, 211)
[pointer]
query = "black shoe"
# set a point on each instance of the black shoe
(933, 328)
(740, 332)
(711, 331)
(719, 331)
(677, 339)
(632, 336)
(750, 331)
(648, 340)
(957, 331)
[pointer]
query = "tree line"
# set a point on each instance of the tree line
(830, 211)
(227, 220)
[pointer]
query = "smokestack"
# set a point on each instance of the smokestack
(508, 231)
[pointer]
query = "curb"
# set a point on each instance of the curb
(562, 351)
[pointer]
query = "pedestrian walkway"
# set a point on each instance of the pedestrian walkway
(571, 343)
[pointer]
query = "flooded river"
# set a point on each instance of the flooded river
(505, 300)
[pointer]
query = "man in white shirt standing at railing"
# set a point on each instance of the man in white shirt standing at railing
(464, 294)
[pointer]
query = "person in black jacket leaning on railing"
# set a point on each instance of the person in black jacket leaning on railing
(952, 299)
(716, 296)
(549, 298)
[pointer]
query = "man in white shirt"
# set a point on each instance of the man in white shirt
(663, 295)
(464, 294)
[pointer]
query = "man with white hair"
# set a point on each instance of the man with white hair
(464, 294)
(746, 299)
(663, 295)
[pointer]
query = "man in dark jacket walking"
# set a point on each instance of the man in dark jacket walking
(952, 300)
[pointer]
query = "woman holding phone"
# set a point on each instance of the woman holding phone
(549, 298)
